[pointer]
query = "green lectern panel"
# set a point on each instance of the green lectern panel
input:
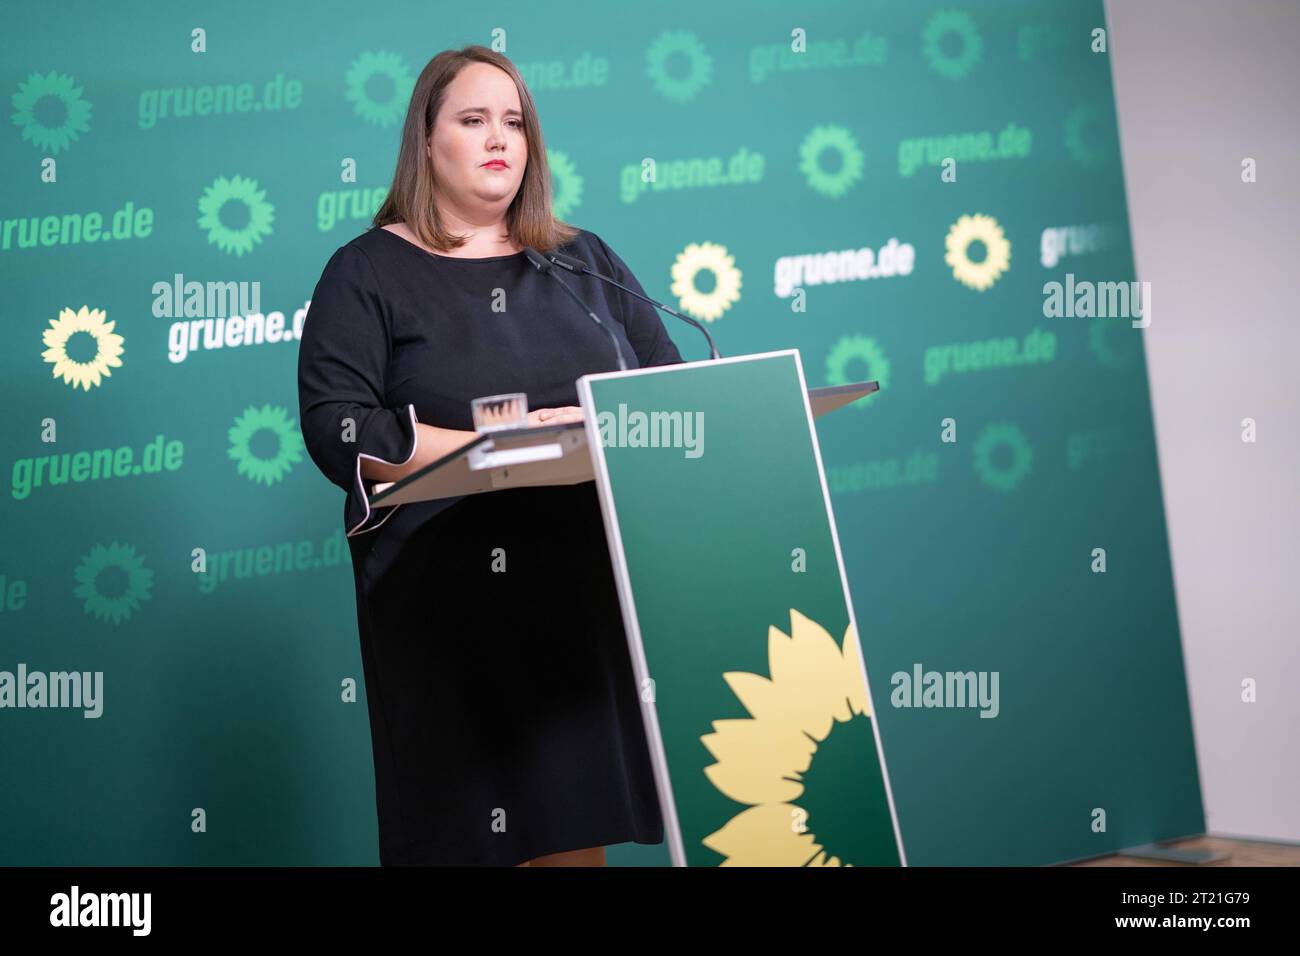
(738, 613)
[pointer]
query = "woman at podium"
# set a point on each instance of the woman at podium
(504, 717)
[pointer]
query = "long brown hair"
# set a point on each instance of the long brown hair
(530, 219)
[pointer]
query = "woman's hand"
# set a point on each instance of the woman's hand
(554, 416)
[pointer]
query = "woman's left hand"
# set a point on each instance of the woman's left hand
(555, 416)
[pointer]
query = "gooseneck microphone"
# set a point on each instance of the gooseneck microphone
(581, 268)
(544, 266)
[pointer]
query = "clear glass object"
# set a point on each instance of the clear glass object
(492, 413)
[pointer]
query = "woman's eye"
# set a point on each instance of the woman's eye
(518, 124)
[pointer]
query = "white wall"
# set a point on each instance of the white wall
(1201, 84)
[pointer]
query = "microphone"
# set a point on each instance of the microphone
(581, 268)
(537, 259)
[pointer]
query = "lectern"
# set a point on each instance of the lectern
(736, 608)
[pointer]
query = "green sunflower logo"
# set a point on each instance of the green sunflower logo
(699, 72)
(810, 724)
(944, 31)
(266, 468)
(566, 184)
(706, 257)
(833, 139)
(862, 349)
(112, 581)
(248, 216)
(1102, 339)
(1003, 456)
(379, 86)
(1088, 138)
(95, 367)
(50, 111)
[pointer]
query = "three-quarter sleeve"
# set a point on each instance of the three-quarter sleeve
(645, 329)
(342, 360)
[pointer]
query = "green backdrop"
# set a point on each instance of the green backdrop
(781, 135)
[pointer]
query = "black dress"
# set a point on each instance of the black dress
(504, 715)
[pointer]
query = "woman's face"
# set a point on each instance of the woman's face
(480, 121)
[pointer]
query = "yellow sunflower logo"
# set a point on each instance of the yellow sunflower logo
(706, 257)
(815, 705)
(91, 370)
(982, 273)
